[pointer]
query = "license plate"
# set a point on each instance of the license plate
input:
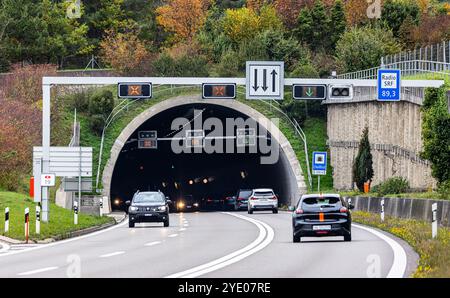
(322, 228)
(188, 206)
(148, 214)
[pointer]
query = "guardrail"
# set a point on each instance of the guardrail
(418, 69)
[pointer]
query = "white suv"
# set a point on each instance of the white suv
(263, 199)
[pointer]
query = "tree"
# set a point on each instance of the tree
(338, 22)
(288, 10)
(362, 165)
(124, 52)
(431, 30)
(436, 132)
(243, 24)
(20, 102)
(362, 48)
(183, 18)
(314, 27)
(356, 12)
(394, 13)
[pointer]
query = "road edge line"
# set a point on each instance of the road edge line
(265, 237)
(400, 261)
(41, 246)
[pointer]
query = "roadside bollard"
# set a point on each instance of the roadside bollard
(101, 206)
(38, 219)
(6, 220)
(434, 221)
(75, 212)
(349, 201)
(27, 223)
(382, 210)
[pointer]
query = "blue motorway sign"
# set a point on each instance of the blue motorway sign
(319, 163)
(388, 84)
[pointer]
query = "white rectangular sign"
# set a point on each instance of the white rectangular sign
(265, 80)
(48, 180)
(68, 161)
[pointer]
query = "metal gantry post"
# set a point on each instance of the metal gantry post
(45, 150)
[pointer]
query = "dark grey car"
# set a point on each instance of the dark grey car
(149, 206)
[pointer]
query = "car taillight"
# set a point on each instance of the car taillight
(240, 199)
(253, 198)
(299, 211)
(274, 198)
(343, 210)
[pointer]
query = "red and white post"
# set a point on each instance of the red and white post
(27, 224)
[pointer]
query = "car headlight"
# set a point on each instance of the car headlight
(195, 204)
(162, 208)
(180, 205)
(133, 208)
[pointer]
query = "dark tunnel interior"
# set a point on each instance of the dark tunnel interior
(201, 175)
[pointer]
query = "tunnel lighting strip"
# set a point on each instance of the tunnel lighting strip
(206, 138)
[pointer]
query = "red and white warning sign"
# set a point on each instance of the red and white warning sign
(47, 180)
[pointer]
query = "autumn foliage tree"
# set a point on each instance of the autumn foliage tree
(183, 18)
(20, 121)
(124, 52)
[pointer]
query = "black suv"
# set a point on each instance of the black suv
(148, 206)
(322, 215)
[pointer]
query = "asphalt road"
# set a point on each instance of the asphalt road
(212, 244)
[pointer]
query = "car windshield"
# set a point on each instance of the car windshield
(245, 193)
(149, 198)
(320, 202)
(263, 193)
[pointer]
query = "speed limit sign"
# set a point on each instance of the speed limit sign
(48, 180)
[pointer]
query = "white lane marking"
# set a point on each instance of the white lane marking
(182, 229)
(116, 253)
(152, 243)
(265, 236)
(186, 225)
(65, 241)
(400, 260)
(4, 247)
(37, 271)
(172, 235)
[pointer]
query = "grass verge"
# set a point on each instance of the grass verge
(411, 195)
(434, 253)
(61, 220)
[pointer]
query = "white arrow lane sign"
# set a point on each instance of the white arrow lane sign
(265, 80)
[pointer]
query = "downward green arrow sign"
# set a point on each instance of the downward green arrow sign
(309, 92)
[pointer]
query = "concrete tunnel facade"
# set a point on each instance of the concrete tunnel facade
(290, 176)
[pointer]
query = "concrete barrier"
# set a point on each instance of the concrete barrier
(404, 208)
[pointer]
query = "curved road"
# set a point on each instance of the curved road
(213, 244)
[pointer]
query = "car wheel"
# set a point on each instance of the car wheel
(166, 223)
(295, 239)
(131, 224)
(348, 237)
(275, 210)
(250, 211)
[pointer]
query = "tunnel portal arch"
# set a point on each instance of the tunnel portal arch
(295, 179)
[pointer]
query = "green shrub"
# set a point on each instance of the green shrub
(97, 122)
(185, 66)
(101, 103)
(393, 185)
(444, 190)
(229, 65)
(305, 71)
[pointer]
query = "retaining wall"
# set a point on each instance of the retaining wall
(404, 208)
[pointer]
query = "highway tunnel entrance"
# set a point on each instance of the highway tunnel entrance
(200, 174)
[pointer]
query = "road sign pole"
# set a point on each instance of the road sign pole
(318, 183)
(45, 148)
